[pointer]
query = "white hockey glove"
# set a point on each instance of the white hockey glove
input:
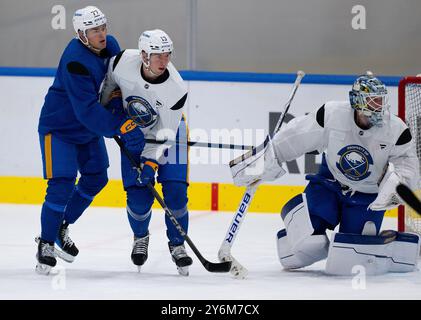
(259, 164)
(387, 198)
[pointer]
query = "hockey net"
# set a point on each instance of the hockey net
(410, 111)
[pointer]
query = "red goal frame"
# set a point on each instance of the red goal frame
(401, 113)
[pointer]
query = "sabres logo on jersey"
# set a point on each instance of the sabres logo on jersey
(141, 111)
(354, 162)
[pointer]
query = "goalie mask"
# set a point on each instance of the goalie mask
(369, 96)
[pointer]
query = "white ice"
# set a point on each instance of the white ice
(103, 269)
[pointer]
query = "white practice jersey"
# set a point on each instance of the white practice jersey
(161, 104)
(357, 158)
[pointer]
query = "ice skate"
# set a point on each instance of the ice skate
(66, 250)
(45, 256)
(140, 251)
(181, 259)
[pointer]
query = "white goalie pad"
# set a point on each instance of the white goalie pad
(390, 251)
(258, 164)
(311, 250)
(297, 220)
(387, 198)
(296, 245)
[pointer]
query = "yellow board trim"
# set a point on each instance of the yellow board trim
(48, 156)
(268, 198)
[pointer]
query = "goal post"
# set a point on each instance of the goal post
(409, 110)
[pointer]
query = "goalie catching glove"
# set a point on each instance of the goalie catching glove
(258, 164)
(387, 197)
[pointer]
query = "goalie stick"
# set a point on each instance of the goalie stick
(224, 253)
(202, 144)
(409, 197)
(210, 266)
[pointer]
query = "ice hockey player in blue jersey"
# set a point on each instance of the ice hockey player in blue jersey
(154, 95)
(71, 128)
(367, 152)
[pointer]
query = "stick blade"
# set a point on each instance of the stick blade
(237, 270)
(218, 267)
(408, 196)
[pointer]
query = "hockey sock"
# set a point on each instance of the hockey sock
(51, 218)
(88, 187)
(173, 235)
(77, 205)
(139, 223)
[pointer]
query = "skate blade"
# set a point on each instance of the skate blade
(43, 269)
(237, 270)
(184, 271)
(64, 256)
(139, 268)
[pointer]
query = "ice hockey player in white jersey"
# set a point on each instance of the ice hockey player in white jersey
(367, 151)
(153, 95)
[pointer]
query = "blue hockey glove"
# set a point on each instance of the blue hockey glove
(149, 168)
(115, 102)
(132, 136)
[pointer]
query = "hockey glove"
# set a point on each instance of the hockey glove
(387, 198)
(115, 103)
(132, 136)
(259, 164)
(149, 168)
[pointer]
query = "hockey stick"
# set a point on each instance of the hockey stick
(208, 145)
(210, 266)
(409, 197)
(224, 253)
(202, 144)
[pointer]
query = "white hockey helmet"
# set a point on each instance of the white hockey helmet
(87, 18)
(155, 41)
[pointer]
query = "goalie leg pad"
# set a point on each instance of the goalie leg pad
(390, 251)
(297, 220)
(312, 249)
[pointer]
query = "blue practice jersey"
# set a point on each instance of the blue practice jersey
(71, 109)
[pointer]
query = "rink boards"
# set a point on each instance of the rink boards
(202, 195)
(221, 108)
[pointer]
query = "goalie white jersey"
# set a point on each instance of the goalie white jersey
(357, 158)
(158, 105)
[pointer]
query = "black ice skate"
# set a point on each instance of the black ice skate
(45, 256)
(66, 250)
(181, 259)
(140, 250)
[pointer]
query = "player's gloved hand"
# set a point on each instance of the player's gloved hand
(115, 102)
(149, 168)
(132, 136)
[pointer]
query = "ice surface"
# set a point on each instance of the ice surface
(103, 269)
